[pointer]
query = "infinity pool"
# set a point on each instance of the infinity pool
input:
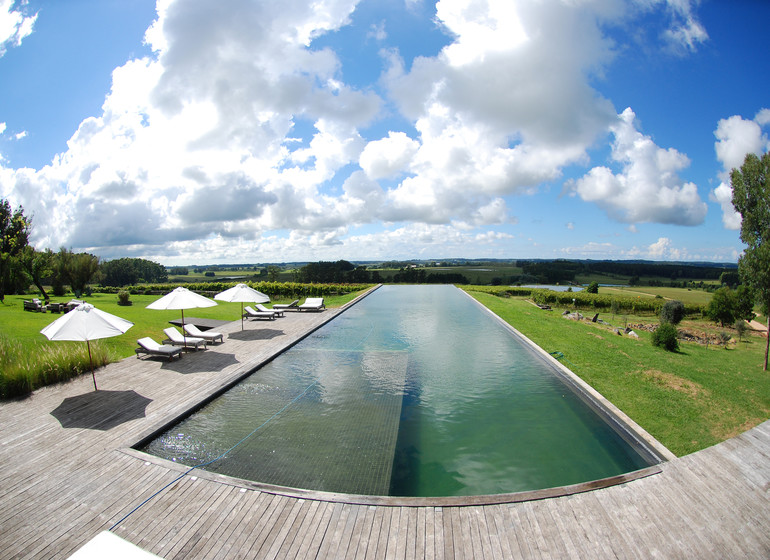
(413, 391)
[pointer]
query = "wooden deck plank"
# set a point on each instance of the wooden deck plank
(60, 486)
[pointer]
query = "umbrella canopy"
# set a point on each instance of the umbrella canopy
(86, 323)
(181, 298)
(243, 294)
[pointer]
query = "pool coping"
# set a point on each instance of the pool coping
(617, 419)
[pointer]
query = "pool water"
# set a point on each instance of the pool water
(413, 391)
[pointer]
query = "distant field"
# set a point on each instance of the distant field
(695, 297)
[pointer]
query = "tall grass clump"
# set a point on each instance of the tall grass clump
(24, 368)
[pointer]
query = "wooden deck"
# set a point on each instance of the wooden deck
(66, 475)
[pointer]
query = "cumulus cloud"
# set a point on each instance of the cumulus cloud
(389, 156)
(737, 137)
(648, 188)
(16, 23)
(239, 133)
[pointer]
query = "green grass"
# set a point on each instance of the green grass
(688, 400)
(27, 355)
(694, 297)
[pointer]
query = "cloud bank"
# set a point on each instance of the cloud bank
(240, 139)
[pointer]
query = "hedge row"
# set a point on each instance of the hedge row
(276, 290)
(584, 300)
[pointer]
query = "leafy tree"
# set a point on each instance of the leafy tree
(39, 265)
(77, 269)
(751, 199)
(273, 272)
(744, 302)
(672, 312)
(721, 308)
(14, 236)
(593, 288)
(125, 271)
(119, 272)
(730, 278)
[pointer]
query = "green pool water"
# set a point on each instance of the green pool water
(413, 391)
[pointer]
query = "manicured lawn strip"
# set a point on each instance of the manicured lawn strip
(688, 400)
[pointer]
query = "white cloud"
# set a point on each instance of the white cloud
(388, 157)
(737, 137)
(648, 189)
(15, 24)
(239, 138)
(686, 32)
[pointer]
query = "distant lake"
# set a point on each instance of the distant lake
(554, 287)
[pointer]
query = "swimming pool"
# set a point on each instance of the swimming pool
(413, 391)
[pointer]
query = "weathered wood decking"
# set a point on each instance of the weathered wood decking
(65, 478)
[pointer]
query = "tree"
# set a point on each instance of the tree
(593, 288)
(125, 271)
(751, 199)
(273, 272)
(721, 308)
(78, 269)
(14, 236)
(730, 278)
(672, 312)
(39, 265)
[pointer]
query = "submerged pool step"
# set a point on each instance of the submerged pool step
(339, 437)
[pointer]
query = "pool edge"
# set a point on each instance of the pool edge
(618, 419)
(397, 501)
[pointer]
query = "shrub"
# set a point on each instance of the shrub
(593, 288)
(666, 336)
(741, 328)
(672, 312)
(124, 297)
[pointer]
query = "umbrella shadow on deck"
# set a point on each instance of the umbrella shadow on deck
(198, 361)
(256, 334)
(100, 410)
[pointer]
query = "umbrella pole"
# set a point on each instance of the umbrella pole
(184, 333)
(91, 363)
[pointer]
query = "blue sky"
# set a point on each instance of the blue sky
(194, 132)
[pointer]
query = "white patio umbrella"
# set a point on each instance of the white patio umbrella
(88, 323)
(243, 294)
(181, 298)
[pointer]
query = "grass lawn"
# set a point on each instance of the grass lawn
(688, 400)
(24, 326)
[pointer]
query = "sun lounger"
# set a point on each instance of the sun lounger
(208, 336)
(252, 314)
(177, 339)
(150, 347)
(34, 305)
(263, 309)
(292, 305)
(313, 304)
